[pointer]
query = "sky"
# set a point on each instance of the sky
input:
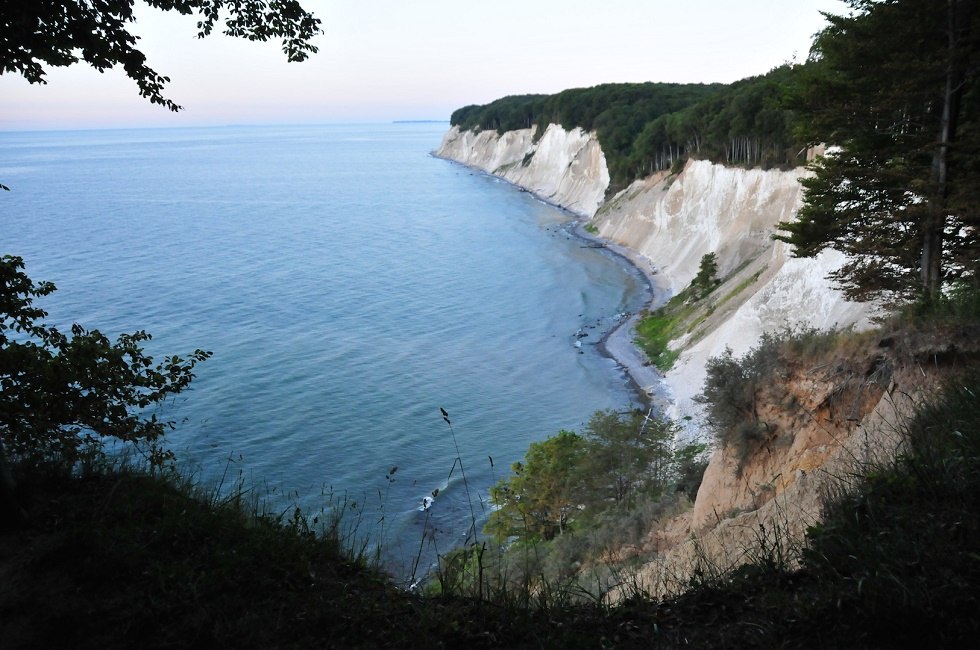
(385, 60)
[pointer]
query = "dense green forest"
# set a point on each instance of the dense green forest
(648, 127)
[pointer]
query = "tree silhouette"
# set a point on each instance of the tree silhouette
(57, 33)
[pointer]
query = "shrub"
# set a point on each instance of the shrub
(62, 395)
(577, 501)
(733, 386)
(62, 392)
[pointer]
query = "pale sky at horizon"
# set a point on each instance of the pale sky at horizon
(385, 60)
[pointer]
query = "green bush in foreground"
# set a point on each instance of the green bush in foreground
(571, 505)
(620, 459)
(62, 395)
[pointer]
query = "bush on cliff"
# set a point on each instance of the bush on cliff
(63, 396)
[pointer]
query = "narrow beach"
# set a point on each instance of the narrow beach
(618, 343)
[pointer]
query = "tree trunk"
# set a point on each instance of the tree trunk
(958, 17)
(11, 514)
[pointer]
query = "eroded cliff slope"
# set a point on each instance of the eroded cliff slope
(671, 221)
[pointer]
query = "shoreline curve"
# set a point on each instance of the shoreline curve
(646, 381)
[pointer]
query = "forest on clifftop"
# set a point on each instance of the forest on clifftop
(648, 127)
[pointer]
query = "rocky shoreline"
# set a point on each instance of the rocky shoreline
(618, 343)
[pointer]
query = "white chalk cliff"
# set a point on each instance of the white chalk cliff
(566, 168)
(668, 222)
(672, 221)
(665, 224)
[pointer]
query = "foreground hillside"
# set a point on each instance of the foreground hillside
(118, 559)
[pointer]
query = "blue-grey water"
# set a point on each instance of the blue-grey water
(349, 285)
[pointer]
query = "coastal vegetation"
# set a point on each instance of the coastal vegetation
(736, 390)
(565, 481)
(114, 556)
(573, 503)
(899, 193)
(682, 313)
(63, 396)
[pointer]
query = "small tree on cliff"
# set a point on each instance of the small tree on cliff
(629, 454)
(893, 85)
(707, 278)
(539, 499)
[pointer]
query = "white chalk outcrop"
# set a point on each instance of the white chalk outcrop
(566, 168)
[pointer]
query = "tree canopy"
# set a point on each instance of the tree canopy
(619, 457)
(537, 500)
(617, 112)
(58, 33)
(649, 127)
(893, 87)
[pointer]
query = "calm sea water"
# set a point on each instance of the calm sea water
(349, 285)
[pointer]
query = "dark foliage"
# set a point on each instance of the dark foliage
(649, 127)
(619, 462)
(63, 394)
(893, 86)
(43, 33)
(897, 554)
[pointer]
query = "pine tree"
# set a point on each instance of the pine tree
(892, 87)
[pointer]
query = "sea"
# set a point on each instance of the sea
(350, 286)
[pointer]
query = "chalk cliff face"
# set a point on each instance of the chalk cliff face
(672, 221)
(566, 168)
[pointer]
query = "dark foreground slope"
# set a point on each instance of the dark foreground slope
(117, 559)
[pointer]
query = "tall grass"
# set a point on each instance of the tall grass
(471, 534)
(901, 547)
